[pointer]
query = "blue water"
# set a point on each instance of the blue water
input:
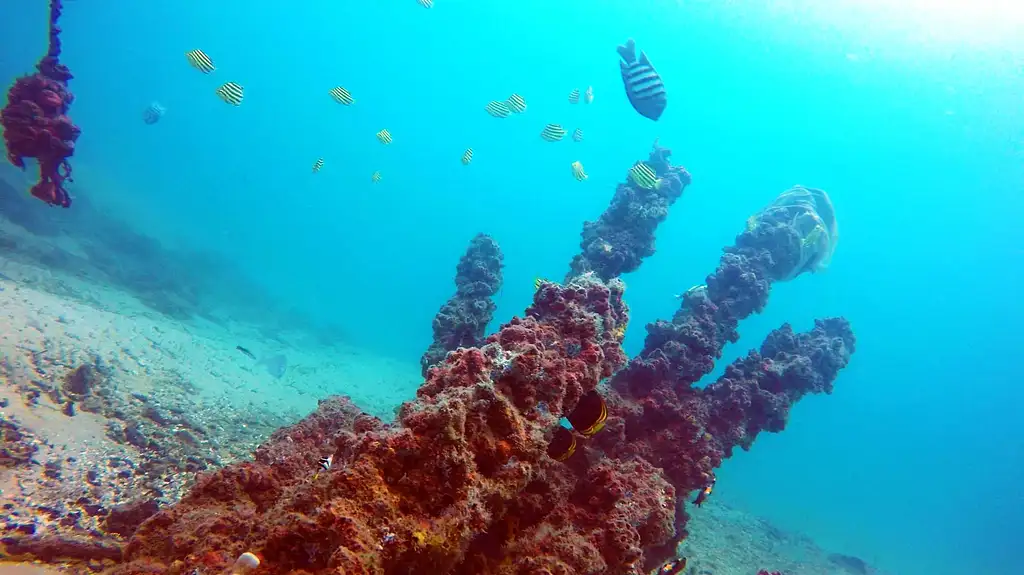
(911, 118)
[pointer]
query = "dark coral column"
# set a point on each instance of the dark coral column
(463, 319)
(36, 124)
(623, 236)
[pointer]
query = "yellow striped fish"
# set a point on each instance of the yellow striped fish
(577, 171)
(467, 157)
(537, 282)
(516, 103)
(552, 133)
(574, 96)
(498, 109)
(384, 136)
(644, 176)
(341, 96)
(200, 61)
(588, 96)
(376, 177)
(319, 163)
(231, 93)
(426, 3)
(577, 135)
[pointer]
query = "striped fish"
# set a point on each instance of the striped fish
(200, 61)
(324, 464)
(384, 136)
(341, 96)
(231, 93)
(644, 176)
(577, 135)
(588, 96)
(516, 103)
(153, 113)
(644, 88)
(574, 96)
(426, 3)
(376, 177)
(577, 171)
(552, 133)
(319, 163)
(467, 157)
(498, 109)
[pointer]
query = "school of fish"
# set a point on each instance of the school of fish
(644, 90)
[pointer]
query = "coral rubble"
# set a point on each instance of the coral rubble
(36, 124)
(462, 320)
(461, 482)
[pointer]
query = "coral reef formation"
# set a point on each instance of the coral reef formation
(463, 319)
(462, 483)
(624, 234)
(36, 124)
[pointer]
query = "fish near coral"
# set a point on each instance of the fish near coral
(562, 444)
(705, 493)
(673, 567)
(590, 414)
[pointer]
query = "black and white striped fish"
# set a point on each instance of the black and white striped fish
(577, 135)
(341, 96)
(644, 87)
(516, 103)
(153, 113)
(574, 96)
(376, 177)
(318, 164)
(231, 93)
(467, 157)
(324, 464)
(200, 61)
(498, 109)
(384, 136)
(552, 133)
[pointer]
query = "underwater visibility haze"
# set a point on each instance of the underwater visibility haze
(290, 189)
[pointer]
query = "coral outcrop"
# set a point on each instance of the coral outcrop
(463, 319)
(462, 484)
(624, 234)
(36, 124)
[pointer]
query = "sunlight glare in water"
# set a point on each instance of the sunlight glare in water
(975, 22)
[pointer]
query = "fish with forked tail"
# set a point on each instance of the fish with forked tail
(644, 88)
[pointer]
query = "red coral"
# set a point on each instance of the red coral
(36, 124)
(461, 484)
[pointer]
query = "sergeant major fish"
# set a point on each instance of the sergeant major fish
(200, 61)
(644, 87)
(231, 93)
(552, 133)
